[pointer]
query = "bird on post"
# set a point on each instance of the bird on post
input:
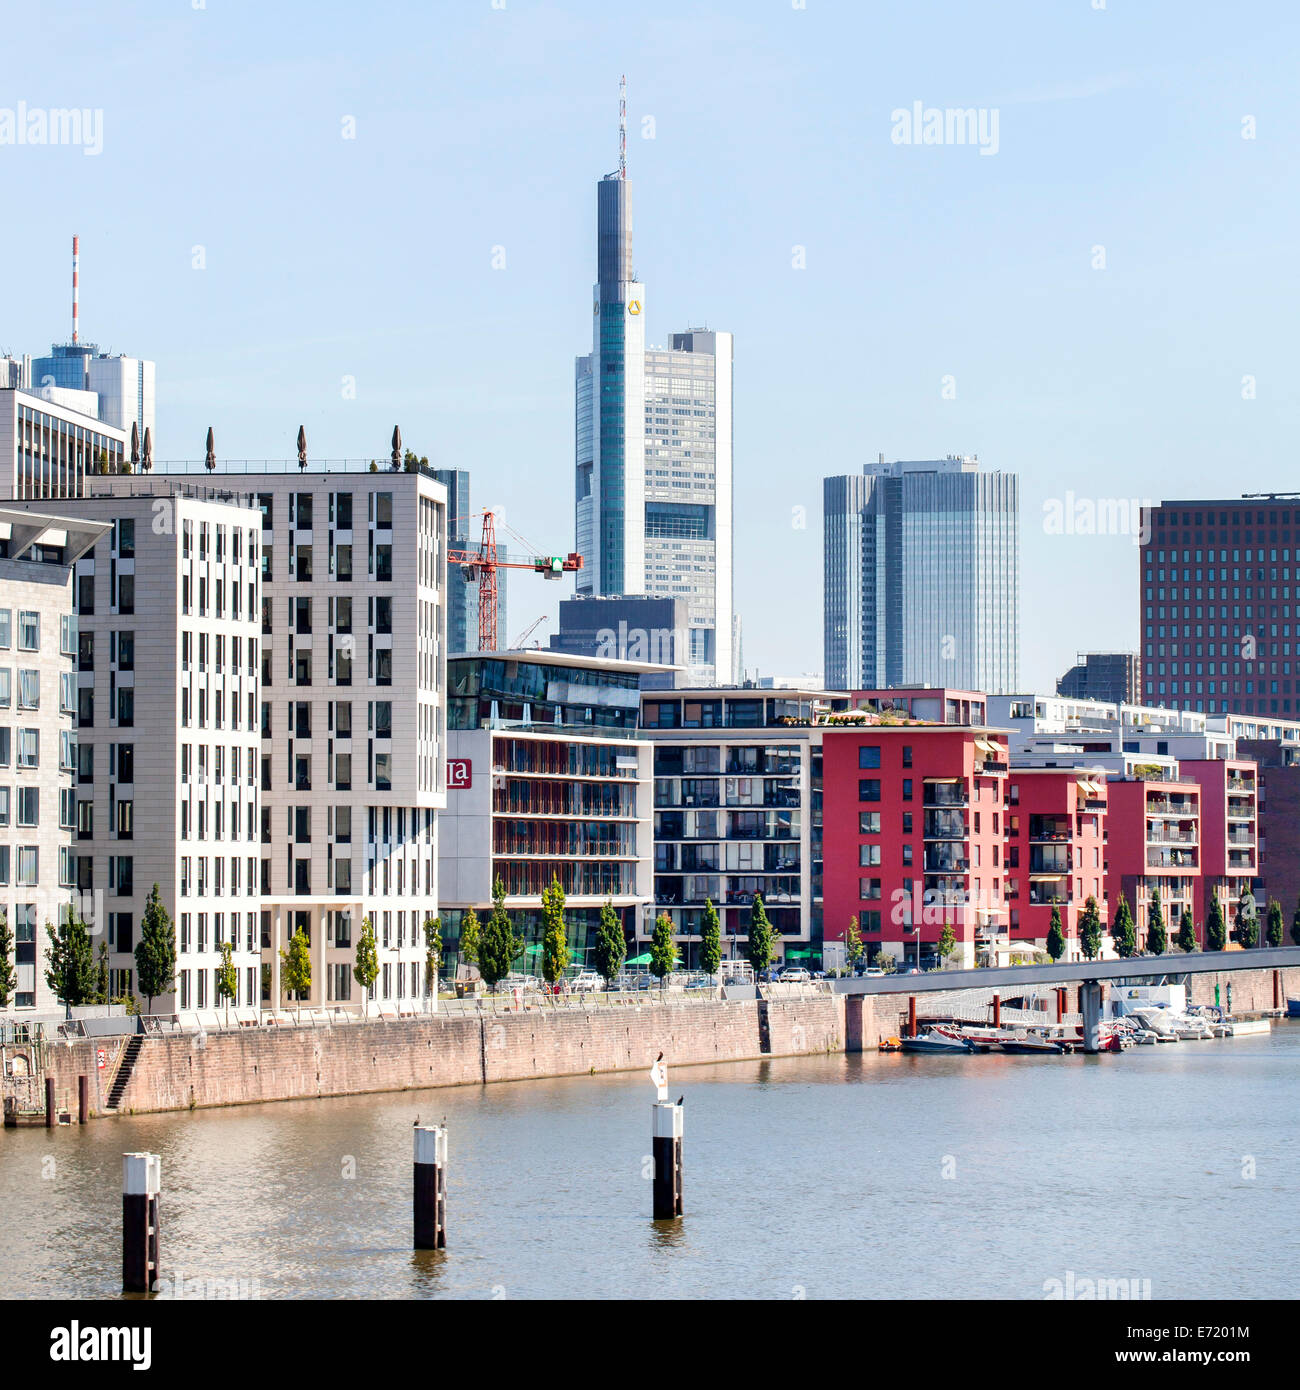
(211, 460)
(302, 448)
(681, 1100)
(397, 447)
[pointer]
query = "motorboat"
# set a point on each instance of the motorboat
(1293, 1008)
(1026, 1044)
(935, 1041)
(1157, 1021)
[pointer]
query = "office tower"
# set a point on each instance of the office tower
(921, 564)
(641, 628)
(47, 449)
(1216, 588)
(38, 739)
(1114, 677)
(464, 532)
(653, 434)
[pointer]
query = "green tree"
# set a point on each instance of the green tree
(1157, 936)
(1216, 934)
(101, 974)
(8, 975)
(611, 946)
(1055, 936)
(1246, 929)
(761, 948)
(227, 977)
(471, 934)
(500, 944)
(710, 939)
(1274, 930)
(853, 947)
(295, 973)
(663, 950)
(1186, 932)
(1123, 931)
(70, 968)
(882, 960)
(555, 945)
(1090, 929)
(432, 954)
(366, 967)
(155, 952)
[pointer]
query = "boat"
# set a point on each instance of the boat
(1293, 1008)
(934, 1041)
(1031, 1043)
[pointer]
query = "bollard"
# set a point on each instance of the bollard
(141, 1185)
(51, 1118)
(430, 1187)
(1090, 1007)
(83, 1099)
(997, 1011)
(1060, 1005)
(667, 1128)
(1277, 989)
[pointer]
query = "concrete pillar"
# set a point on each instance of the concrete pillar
(277, 944)
(854, 1007)
(141, 1186)
(667, 1129)
(318, 951)
(1090, 1006)
(83, 1099)
(51, 1118)
(430, 1187)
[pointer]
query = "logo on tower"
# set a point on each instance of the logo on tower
(634, 306)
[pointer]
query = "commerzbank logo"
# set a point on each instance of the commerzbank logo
(634, 306)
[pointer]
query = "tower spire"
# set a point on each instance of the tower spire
(622, 127)
(76, 267)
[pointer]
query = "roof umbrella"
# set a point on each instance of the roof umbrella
(146, 461)
(211, 460)
(302, 448)
(135, 445)
(397, 446)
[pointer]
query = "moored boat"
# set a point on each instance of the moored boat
(934, 1041)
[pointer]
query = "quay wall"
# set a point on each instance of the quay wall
(184, 1071)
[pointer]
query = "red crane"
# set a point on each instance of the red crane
(480, 566)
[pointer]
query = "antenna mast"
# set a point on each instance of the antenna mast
(622, 127)
(76, 264)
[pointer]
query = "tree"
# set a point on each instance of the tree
(761, 949)
(947, 942)
(1157, 936)
(1055, 936)
(611, 947)
(366, 968)
(555, 946)
(500, 944)
(1090, 929)
(471, 933)
(710, 939)
(70, 969)
(853, 947)
(227, 977)
(1274, 930)
(1186, 932)
(1247, 928)
(295, 975)
(8, 975)
(1216, 934)
(432, 954)
(1123, 931)
(882, 960)
(155, 953)
(663, 950)
(101, 974)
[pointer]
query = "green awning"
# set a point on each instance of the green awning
(798, 953)
(640, 960)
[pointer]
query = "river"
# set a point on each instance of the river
(821, 1177)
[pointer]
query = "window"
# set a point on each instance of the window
(29, 806)
(126, 651)
(384, 510)
(29, 632)
(868, 788)
(869, 856)
(302, 563)
(383, 719)
(126, 538)
(869, 756)
(29, 747)
(29, 689)
(6, 628)
(126, 594)
(68, 634)
(126, 706)
(28, 866)
(383, 771)
(868, 822)
(126, 820)
(343, 511)
(343, 562)
(6, 681)
(4, 806)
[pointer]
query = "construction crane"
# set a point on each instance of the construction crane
(480, 567)
(527, 632)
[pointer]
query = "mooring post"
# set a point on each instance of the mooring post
(51, 1118)
(141, 1185)
(1060, 1005)
(911, 1016)
(997, 1011)
(1277, 989)
(430, 1187)
(1090, 1007)
(83, 1099)
(667, 1128)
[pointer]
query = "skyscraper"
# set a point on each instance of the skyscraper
(921, 562)
(462, 597)
(653, 456)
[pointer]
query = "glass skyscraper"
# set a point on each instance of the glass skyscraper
(921, 568)
(653, 460)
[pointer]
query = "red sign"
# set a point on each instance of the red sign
(460, 774)
(101, 1058)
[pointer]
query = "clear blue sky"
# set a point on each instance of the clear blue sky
(477, 127)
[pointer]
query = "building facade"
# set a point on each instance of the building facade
(121, 389)
(47, 450)
(1112, 676)
(921, 576)
(462, 596)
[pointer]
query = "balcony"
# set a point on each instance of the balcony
(942, 860)
(1172, 859)
(1163, 835)
(1241, 784)
(1057, 864)
(944, 825)
(1241, 837)
(1165, 806)
(945, 794)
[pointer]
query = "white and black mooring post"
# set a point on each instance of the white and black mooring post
(141, 1184)
(430, 1187)
(667, 1129)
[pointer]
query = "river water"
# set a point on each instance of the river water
(888, 1176)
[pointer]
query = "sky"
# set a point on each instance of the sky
(353, 217)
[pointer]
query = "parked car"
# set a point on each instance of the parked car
(586, 980)
(794, 975)
(872, 972)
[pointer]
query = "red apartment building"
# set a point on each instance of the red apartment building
(1056, 843)
(1229, 835)
(1155, 840)
(913, 835)
(939, 706)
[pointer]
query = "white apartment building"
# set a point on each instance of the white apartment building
(38, 742)
(48, 449)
